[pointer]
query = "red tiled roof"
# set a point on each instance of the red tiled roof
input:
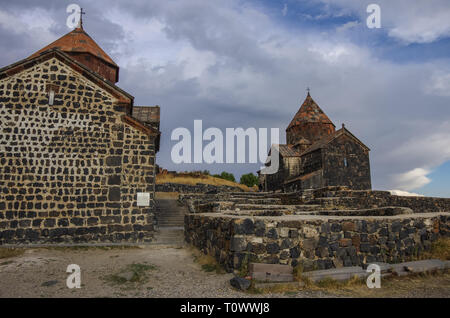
(77, 41)
(309, 112)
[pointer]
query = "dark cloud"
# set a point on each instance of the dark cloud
(231, 65)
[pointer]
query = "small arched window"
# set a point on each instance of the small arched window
(345, 162)
(51, 89)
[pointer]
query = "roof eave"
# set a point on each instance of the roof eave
(28, 62)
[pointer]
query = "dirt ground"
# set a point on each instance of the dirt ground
(163, 272)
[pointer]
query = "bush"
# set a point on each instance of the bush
(226, 176)
(249, 180)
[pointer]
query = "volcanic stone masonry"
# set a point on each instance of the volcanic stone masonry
(197, 188)
(315, 229)
(70, 171)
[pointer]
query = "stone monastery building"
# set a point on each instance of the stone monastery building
(316, 155)
(77, 158)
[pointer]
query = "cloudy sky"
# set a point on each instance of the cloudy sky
(247, 64)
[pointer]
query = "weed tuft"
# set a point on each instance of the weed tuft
(7, 252)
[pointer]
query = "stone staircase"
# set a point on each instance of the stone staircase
(324, 201)
(170, 222)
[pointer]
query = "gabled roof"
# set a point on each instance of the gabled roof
(309, 112)
(77, 41)
(287, 151)
(284, 150)
(121, 95)
(322, 143)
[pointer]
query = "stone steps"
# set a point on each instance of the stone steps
(179, 221)
(173, 236)
(333, 201)
(383, 211)
(250, 194)
(256, 212)
(170, 222)
(255, 201)
(292, 208)
(245, 206)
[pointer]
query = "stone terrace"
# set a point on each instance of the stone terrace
(316, 229)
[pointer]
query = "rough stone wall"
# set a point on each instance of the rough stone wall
(356, 173)
(314, 243)
(376, 199)
(70, 172)
(293, 166)
(198, 188)
(332, 197)
(311, 173)
(275, 181)
(312, 162)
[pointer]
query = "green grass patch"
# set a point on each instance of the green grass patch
(132, 274)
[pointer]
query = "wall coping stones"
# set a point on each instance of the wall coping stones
(322, 217)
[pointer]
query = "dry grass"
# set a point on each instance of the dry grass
(6, 252)
(395, 286)
(195, 179)
(391, 286)
(167, 195)
(440, 249)
(206, 262)
(330, 284)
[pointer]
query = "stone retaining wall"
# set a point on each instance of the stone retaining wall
(364, 199)
(417, 204)
(197, 188)
(314, 242)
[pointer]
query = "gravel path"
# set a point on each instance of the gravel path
(41, 272)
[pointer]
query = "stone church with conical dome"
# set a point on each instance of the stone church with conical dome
(317, 155)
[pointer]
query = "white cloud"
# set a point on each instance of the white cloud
(347, 26)
(405, 193)
(439, 84)
(427, 23)
(412, 179)
(418, 21)
(428, 149)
